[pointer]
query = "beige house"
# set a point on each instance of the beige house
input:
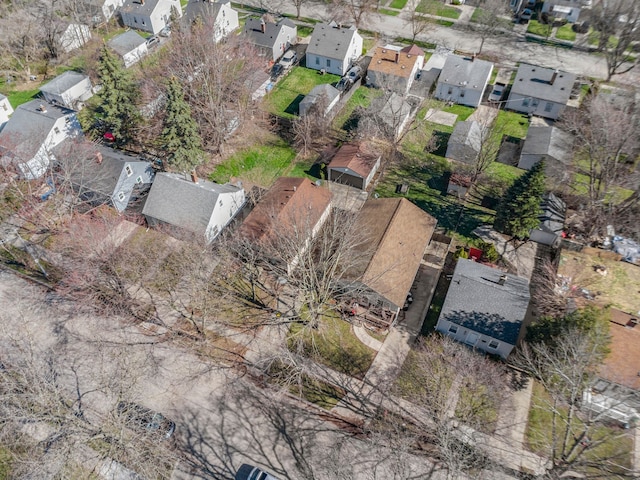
(395, 69)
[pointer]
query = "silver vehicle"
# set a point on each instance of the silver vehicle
(249, 472)
(497, 92)
(288, 60)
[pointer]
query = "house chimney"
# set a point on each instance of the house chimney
(263, 26)
(295, 188)
(502, 280)
(553, 77)
(194, 176)
(98, 158)
(473, 57)
(42, 108)
(397, 57)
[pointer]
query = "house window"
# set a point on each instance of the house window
(461, 94)
(317, 60)
(4, 107)
(56, 130)
(143, 22)
(494, 344)
(548, 107)
(535, 102)
(450, 91)
(121, 196)
(135, 20)
(220, 202)
(525, 102)
(128, 169)
(453, 329)
(139, 180)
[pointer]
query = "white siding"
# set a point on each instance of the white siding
(483, 342)
(535, 106)
(5, 110)
(227, 206)
(135, 55)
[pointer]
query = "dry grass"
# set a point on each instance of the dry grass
(620, 287)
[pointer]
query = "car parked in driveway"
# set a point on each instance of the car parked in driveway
(497, 92)
(526, 15)
(146, 420)
(276, 71)
(153, 41)
(289, 59)
(249, 472)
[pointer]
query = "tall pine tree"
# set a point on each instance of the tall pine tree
(519, 210)
(180, 139)
(118, 108)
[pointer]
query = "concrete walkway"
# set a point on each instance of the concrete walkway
(362, 335)
(514, 415)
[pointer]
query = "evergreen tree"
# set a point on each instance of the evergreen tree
(180, 139)
(519, 210)
(117, 108)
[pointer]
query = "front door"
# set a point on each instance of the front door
(472, 338)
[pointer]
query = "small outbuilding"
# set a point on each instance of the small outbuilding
(551, 228)
(69, 89)
(323, 97)
(353, 165)
(465, 142)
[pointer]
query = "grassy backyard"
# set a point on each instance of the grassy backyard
(566, 33)
(362, 97)
(435, 7)
(512, 123)
(333, 344)
(285, 97)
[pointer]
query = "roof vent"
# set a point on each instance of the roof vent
(403, 67)
(379, 61)
(384, 51)
(408, 55)
(42, 108)
(632, 322)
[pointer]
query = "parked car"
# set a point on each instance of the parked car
(165, 32)
(526, 15)
(276, 71)
(497, 92)
(152, 41)
(344, 85)
(354, 73)
(146, 420)
(289, 59)
(249, 472)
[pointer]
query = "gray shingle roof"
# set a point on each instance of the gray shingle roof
(140, 7)
(467, 133)
(476, 301)
(253, 28)
(325, 91)
(329, 41)
(462, 71)
(553, 214)
(535, 81)
(178, 201)
(126, 42)
(548, 141)
(63, 82)
(203, 9)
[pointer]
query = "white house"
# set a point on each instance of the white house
(333, 48)
(102, 10)
(199, 206)
(5, 110)
(540, 91)
(74, 36)
(463, 80)
(219, 16)
(69, 89)
(569, 9)
(484, 308)
(31, 133)
(149, 15)
(130, 46)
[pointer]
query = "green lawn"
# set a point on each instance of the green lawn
(362, 97)
(566, 33)
(305, 31)
(512, 123)
(462, 111)
(333, 344)
(537, 28)
(435, 7)
(386, 11)
(260, 164)
(399, 4)
(285, 97)
(539, 434)
(18, 98)
(424, 45)
(504, 173)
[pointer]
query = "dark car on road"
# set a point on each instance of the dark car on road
(249, 472)
(145, 420)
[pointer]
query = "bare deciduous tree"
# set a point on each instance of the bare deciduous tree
(491, 19)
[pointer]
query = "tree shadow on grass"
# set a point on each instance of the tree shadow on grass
(440, 142)
(294, 106)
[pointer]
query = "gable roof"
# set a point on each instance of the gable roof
(535, 81)
(325, 90)
(141, 7)
(553, 214)
(477, 301)
(29, 127)
(548, 141)
(399, 63)
(126, 42)
(472, 74)
(178, 201)
(467, 133)
(622, 363)
(289, 200)
(397, 233)
(354, 157)
(331, 41)
(203, 9)
(63, 82)
(268, 38)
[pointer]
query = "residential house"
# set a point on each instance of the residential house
(101, 11)
(34, 129)
(540, 91)
(73, 36)
(565, 9)
(323, 96)
(149, 15)
(484, 308)
(551, 145)
(395, 69)
(5, 110)
(130, 46)
(353, 165)
(396, 235)
(291, 203)
(271, 39)
(616, 393)
(108, 176)
(333, 49)
(217, 15)
(463, 80)
(465, 142)
(551, 228)
(69, 89)
(198, 206)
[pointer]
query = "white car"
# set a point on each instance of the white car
(249, 472)
(497, 92)
(288, 59)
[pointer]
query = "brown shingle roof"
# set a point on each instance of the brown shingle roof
(622, 364)
(289, 200)
(384, 61)
(398, 233)
(354, 156)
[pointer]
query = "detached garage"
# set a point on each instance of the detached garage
(354, 166)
